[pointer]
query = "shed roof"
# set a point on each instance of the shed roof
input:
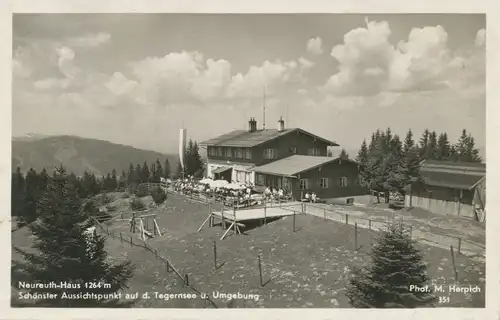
(245, 138)
(295, 164)
(456, 175)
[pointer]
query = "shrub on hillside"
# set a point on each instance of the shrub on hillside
(104, 199)
(90, 208)
(159, 196)
(110, 208)
(141, 191)
(137, 204)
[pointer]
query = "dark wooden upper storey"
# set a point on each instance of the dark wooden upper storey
(258, 147)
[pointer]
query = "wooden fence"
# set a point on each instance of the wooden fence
(432, 238)
(169, 267)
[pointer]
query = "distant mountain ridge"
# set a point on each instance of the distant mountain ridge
(78, 154)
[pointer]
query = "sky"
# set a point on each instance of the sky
(136, 79)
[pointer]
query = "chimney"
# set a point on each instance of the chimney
(254, 126)
(281, 124)
(250, 125)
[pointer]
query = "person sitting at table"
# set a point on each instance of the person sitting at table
(307, 196)
(313, 197)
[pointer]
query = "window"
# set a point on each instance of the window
(219, 152)
(212, 151)
(260, 180)
(323, 182)
(229, 152)
(238, 153)
(303, 184)
(314, 152)
(248, 154)
(293, 150)
(270, 154)
(343, 181)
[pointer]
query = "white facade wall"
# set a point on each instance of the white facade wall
(241, 174)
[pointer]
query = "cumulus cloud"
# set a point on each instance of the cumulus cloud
(90, 40)
(314, 46)
(302, 91)
(304, 63)
(480, 38)
(370, 64)
(188, 76)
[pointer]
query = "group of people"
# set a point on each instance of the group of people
(246, 195)
(274, 194)
(311, 198)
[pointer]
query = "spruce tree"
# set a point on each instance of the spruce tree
(65, 254)
(138, 174)
(144, 173)
(462, 146)
(396, 264)
(343, 155)
(30, 197)
(433, 146)
(443, 147)
(152, 172)
(395, 170)
(130, 175)
(424, 144)
(411, 162)
(17, 192)
(158, 173)
(166, 169)
(114, 180)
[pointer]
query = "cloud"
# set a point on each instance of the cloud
(369, 63)
(314, 46)
(306, 64)
(187, 76)
(480, 38)
(302, 91)
(90, 40)
(119, 85)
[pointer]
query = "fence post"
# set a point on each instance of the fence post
(411, 231)
(260, 270)
(156, 254)
(265, 214)
(215, 255)
(369, 224)
(346, 218)
(459, 245)
(453, 262)
(131, 243)
(168, 266)
(324, 214)
(294, 221)
(121, 238)
(356, 236)
(186, 280)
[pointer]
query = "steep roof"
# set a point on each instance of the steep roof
(457, 175)
(244, 138)
(295, 164)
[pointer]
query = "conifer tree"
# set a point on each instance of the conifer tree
(145, 172)
(424, 144)
(443, 147)
(138, 174)
(64, 253)
(411, 162)
(30, 197)
(432, 147)
(166, 169)
(158, 173)
(396, 264)
(114, 181)
(17, 192)
(343, 155)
